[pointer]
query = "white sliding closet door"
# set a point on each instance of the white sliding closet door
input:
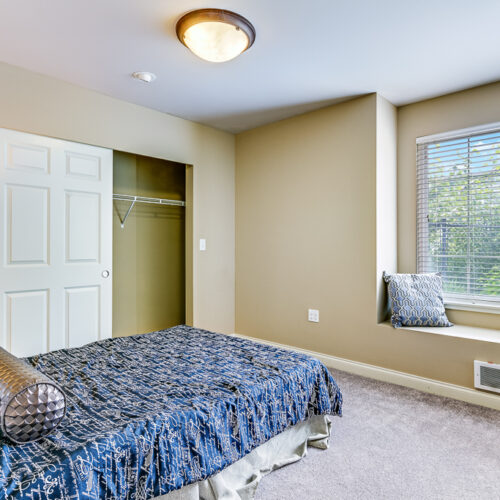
(56, 252)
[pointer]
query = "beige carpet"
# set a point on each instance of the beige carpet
(397, 443)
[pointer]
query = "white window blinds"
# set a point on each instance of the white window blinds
(458, 214)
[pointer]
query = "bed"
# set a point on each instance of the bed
(150, 414)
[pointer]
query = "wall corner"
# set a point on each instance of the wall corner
(386, 198)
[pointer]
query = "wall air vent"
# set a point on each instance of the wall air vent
(487, 376)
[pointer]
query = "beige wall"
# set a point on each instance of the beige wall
(42, 105)
(307, 217)
(477, 106)
(305, 229)
(302, 185)
(149, 251)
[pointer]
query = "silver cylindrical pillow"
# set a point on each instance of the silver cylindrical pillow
(31, 404)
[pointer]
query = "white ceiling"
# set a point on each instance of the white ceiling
(307, 54)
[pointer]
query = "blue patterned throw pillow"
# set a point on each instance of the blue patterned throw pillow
(416, 300)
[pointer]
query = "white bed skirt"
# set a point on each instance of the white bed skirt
(239, 481)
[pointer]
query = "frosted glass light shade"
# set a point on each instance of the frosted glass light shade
(215, 35)
(216, 42)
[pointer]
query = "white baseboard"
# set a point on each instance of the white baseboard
(394, 377)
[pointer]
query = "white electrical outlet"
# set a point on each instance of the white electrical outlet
(203, 244)
(313, 315)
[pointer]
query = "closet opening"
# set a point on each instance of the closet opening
(151, 254)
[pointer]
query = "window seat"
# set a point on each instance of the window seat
(459, 331)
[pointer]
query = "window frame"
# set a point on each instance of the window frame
(459, 302)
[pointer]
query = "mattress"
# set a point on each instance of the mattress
(149, 414)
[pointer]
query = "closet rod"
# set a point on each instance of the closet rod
(144, 199)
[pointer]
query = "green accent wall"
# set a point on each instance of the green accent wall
(149, 252)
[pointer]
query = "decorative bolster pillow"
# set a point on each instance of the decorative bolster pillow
(31, 404)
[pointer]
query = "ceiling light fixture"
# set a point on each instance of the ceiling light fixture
(215, 35)
(144, 76)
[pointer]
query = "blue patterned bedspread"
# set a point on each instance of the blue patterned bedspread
(151, 413)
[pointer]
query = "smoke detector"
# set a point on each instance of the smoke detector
(144, 76)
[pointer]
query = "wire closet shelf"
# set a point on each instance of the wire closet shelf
(144, 199)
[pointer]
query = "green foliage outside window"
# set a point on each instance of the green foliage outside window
(463, 207)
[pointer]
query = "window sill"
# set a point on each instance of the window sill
(457, 331)
(460, 306)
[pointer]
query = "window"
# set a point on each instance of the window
(458, 213)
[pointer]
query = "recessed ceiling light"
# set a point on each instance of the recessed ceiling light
(215, 35)
(144, 76)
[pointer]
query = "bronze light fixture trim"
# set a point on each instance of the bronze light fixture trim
(215, 35)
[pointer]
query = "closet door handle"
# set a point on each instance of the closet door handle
(105, 274)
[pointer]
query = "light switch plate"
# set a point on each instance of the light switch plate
(313, 315)
(203, 244)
